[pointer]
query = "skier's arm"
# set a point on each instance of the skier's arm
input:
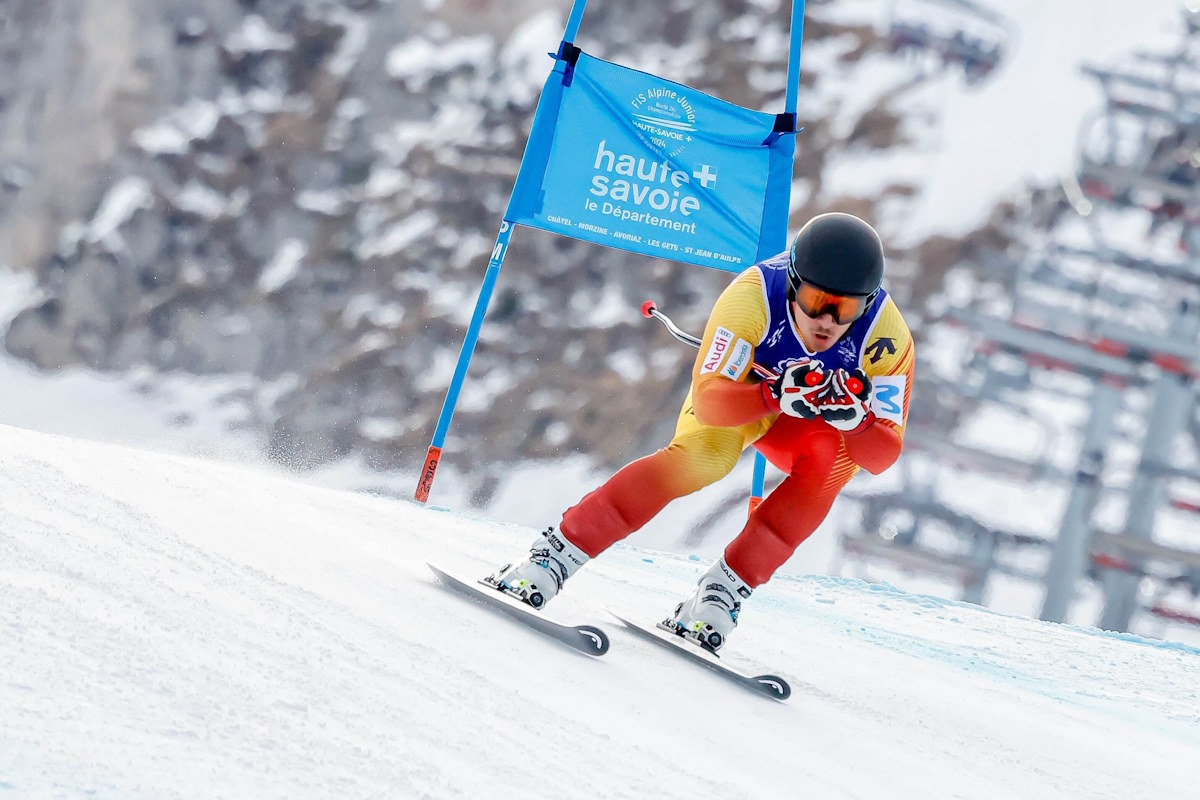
(722, 394)
(888, 361)
(726, 404)
(874, 448)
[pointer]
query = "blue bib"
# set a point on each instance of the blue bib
(782, 345)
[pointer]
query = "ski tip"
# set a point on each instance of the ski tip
(773, 686)
(594, 637)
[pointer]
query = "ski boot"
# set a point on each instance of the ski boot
(711, 613)
(537, 579)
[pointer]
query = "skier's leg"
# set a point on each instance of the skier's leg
(696, 457)
(813, 456)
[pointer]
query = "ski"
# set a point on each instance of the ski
(584, 638)
(771, 686)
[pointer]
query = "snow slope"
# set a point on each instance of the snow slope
(178, 628)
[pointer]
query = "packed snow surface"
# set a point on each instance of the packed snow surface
(172, 627)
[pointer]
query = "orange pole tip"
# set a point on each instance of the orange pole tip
(427, 472)
(755, 502)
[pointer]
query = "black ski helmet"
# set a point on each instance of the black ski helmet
(838, 253)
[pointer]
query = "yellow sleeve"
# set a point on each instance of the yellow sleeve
(888, 359)
(737, 324)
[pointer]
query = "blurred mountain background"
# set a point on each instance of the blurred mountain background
(298, 198)
(306, 192)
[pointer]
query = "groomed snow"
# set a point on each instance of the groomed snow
(177, 628)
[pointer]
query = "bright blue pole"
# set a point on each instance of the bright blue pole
(793, 78)
(574, 20)
(468, 348)
(793, 91)
(760, 476)
(464, 360)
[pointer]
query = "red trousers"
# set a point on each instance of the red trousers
(809, 452)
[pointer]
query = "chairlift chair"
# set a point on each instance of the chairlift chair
(951, 32)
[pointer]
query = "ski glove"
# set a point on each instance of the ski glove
(847, 404)
(799, 388)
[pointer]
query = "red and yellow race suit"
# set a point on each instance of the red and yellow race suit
(728, 410)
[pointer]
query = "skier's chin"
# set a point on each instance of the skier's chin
(822, 342)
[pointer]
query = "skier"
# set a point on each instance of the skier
(816, 316)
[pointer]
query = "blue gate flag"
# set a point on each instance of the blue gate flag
(626, 159)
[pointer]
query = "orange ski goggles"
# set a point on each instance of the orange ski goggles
(845, 308)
